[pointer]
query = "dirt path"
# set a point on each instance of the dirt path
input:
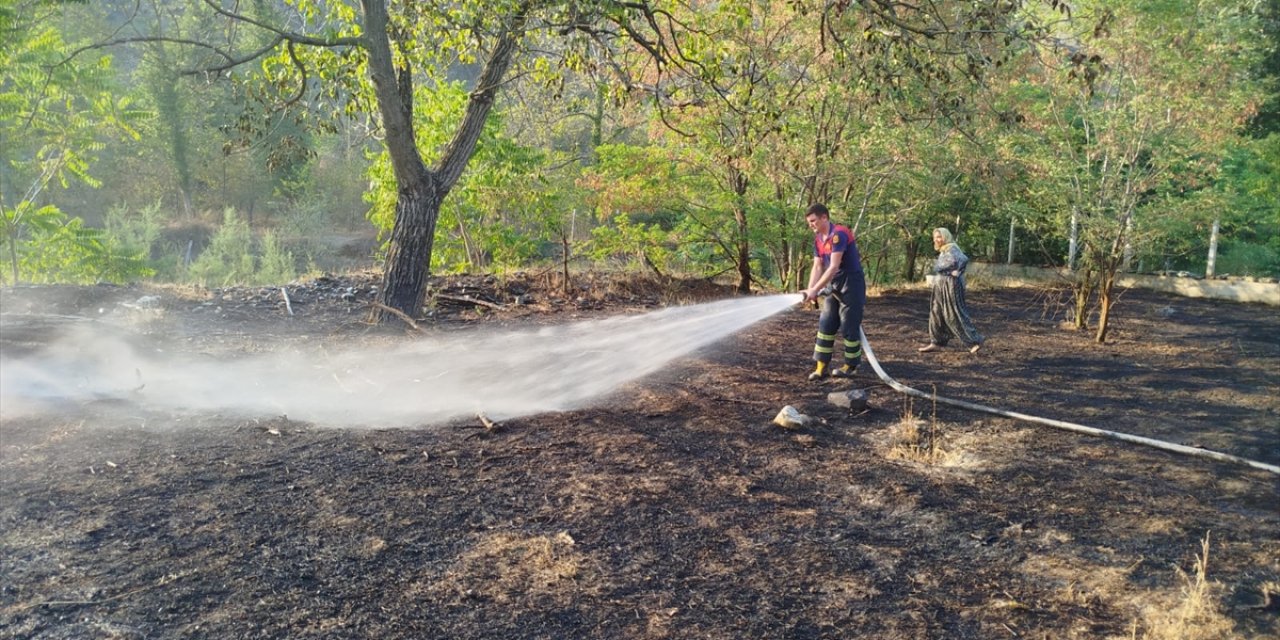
(672, 509)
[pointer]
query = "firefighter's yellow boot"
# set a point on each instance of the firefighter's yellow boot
(819, 372)
(845, 371)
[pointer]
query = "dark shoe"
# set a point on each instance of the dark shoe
(927, 348)
(819, 372)
(845, 371)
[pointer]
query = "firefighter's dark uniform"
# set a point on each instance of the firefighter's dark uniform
(842, 311)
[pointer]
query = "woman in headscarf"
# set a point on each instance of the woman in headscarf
(948, 313)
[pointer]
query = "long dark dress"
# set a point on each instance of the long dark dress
(948, 313)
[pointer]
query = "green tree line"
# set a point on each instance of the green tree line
(201, 142)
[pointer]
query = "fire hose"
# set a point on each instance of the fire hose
(1059, 424)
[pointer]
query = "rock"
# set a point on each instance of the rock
(853, 399)
(791, 418)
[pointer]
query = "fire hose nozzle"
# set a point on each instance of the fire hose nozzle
(828, 290)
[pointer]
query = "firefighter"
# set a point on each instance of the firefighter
(837, 270)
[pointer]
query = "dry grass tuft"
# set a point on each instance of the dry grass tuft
(1196, 617)
(915, 440)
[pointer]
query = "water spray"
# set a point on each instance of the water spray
(426, 381)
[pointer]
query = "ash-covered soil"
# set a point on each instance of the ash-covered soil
(673, 508)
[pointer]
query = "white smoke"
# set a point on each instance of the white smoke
(419, 382)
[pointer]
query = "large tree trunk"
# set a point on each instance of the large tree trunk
(404, 279)
(406, 273)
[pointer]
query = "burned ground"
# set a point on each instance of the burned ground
(673, 508)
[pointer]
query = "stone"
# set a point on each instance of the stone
(791, 418)
(853, 399)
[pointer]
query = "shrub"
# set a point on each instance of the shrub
(276, 265)
(1245, 259)
(228, 259)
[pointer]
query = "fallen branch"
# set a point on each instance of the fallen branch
(399, 314)
(489, 427)
(470, 300)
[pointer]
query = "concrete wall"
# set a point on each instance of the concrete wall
(1235, 289)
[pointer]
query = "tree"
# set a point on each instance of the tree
(753, 62)
(330, 49)
(502, 205)
(770, 98)
(54, 113)
(338, 46)
(1132, 120)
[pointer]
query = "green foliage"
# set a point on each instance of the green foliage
(658, 212)
(639, 180)
(1249, 183)
(228, 259)
(69, 252)
(276, 265)
(764, 108)
(1248, 259)
(328, 207)
(636, 244)
(60, 254)
(136, 231)
(1266, 120)
(23, 225)
(499, 214)
(55, 112)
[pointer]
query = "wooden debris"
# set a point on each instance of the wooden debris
(487, 427)
(399, 314)
(470, 300)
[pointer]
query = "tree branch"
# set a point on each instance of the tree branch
(455, 156)
(351, 41)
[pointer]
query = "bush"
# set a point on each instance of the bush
(276, 265)
(1245, 259)
(137, 232)
(228, 259)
